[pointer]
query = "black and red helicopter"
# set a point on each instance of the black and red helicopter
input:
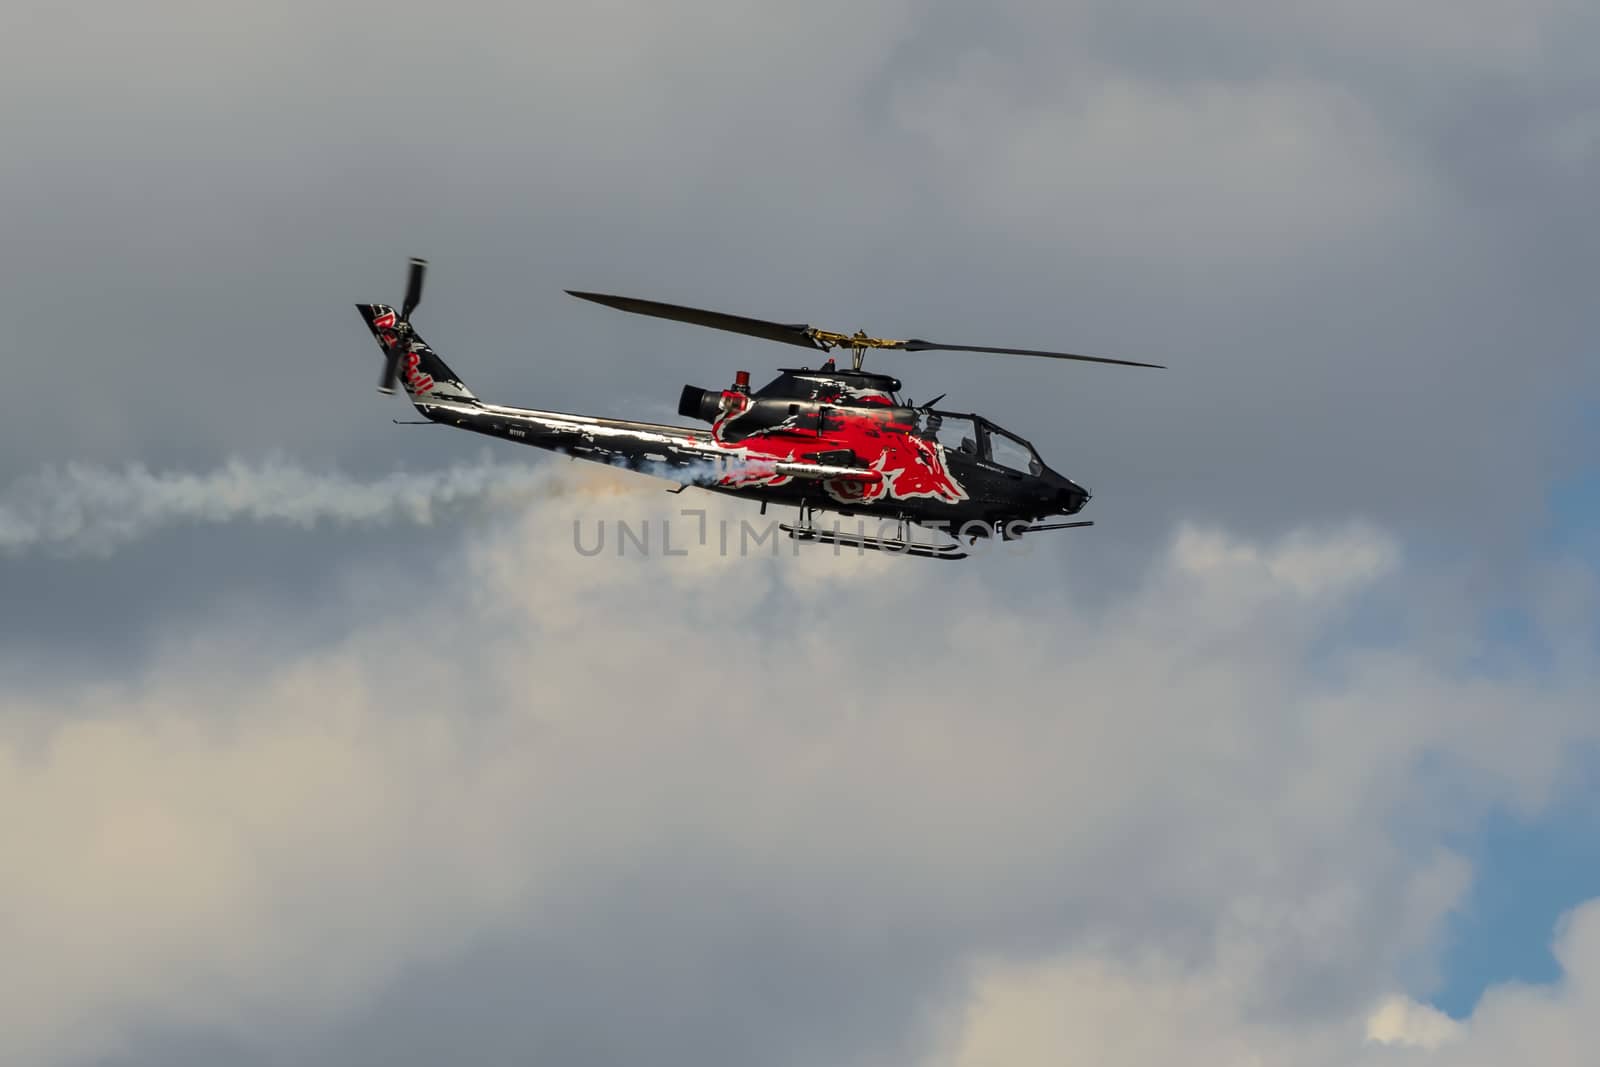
(823, 439)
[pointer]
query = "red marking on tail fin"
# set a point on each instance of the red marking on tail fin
(419, 381)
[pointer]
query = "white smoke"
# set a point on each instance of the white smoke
(703, 472)
(82, 509)
(85, 509)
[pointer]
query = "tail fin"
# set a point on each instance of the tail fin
(423, 374)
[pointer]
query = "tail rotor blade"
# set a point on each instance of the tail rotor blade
(413, 287)
(391, 364)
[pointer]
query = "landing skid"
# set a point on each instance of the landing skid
(892, 545)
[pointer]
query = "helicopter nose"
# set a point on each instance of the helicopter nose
(1070, 497)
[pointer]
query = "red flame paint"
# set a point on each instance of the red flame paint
(908, 466)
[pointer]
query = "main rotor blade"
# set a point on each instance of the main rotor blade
(807, 336)
(413, 288)
(787, 333)
(930, 346)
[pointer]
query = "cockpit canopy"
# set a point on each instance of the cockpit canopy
(978, 437)
(816, 391)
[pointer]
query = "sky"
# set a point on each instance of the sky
(321, 742)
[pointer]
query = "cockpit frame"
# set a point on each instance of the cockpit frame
(983, 445)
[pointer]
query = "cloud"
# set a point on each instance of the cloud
(1402, 1021)
(1250, 173)
(1079, 1008)
(811, 759)
(1088, 1010)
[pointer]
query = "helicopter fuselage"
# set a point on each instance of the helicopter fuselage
(826, 440)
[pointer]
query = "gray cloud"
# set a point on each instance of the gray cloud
(1152, 1011)
(569, 791)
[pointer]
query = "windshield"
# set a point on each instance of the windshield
(1011, 453)
(956, 433)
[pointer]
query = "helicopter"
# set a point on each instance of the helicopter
(817, 439)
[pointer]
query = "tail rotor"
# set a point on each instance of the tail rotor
(402, 328)
(408, 361)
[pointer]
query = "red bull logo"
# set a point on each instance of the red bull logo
(907, 466)
(912, 467)
(416, 379)
(385, 321)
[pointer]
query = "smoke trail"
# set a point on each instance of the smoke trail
(693, 472)
(704, 472)
(83, 509)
